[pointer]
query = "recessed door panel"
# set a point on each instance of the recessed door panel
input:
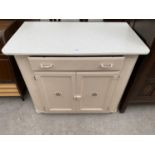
(96, 90)
(57, 90)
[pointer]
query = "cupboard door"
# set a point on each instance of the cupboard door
(96, 90)
(57, 90)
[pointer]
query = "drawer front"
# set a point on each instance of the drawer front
(76, 63)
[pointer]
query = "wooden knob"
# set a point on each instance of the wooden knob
(58, 94)
(77, 97)
(94, 94)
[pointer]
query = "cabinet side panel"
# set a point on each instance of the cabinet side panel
(28, 76)
(122, 82)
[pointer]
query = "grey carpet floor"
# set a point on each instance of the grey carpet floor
(18, 117)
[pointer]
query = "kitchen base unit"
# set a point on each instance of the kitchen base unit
(76, 84)
(73, 67)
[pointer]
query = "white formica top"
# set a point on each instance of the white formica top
(75, 38)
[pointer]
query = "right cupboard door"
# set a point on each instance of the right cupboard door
(96, 90)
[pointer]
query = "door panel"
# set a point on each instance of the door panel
(96, 90)
(57, 90)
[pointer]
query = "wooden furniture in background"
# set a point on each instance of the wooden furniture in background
(11, 81)
(141, 87)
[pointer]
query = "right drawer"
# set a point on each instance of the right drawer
(76, 63)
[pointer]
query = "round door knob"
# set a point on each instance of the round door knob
(58, 94)
(94, 94)
(77, 97)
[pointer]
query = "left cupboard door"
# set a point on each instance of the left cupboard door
(57, 90)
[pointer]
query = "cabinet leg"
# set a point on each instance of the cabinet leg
(22, 97)
(122, 107)
(23, 94)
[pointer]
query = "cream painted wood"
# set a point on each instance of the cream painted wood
(31, 84)
(57, 90)
(76, 63)
(123, 80)
(96, 90)
(28, 75)
(81, 91)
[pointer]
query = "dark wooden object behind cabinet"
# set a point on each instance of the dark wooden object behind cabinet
(141, 87)
(11, 81)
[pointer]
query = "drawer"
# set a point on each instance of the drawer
(76, 63)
